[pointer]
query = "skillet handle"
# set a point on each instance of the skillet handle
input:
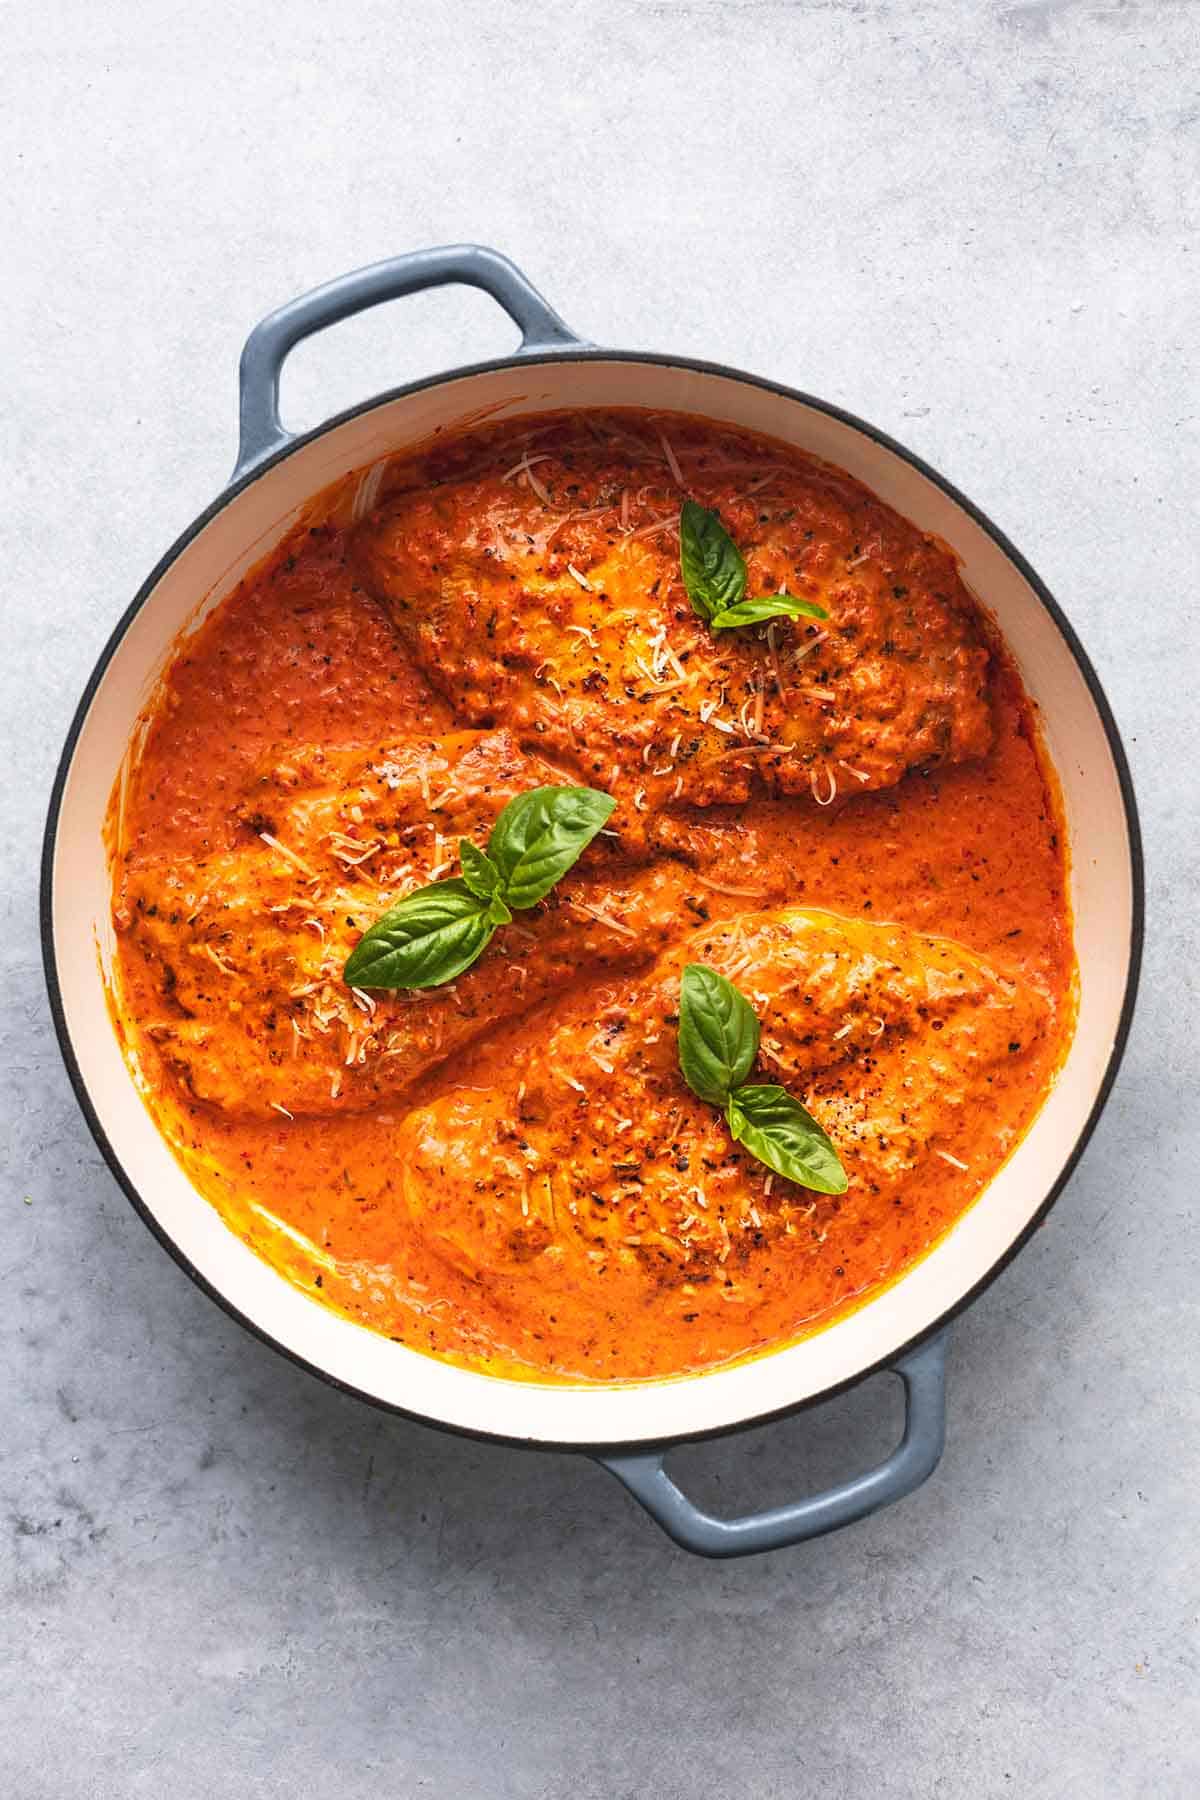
(269, 344)
(923, 1372)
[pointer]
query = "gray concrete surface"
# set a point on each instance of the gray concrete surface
(975, 224)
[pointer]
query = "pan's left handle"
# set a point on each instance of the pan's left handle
(923, 1373)
(270, 343)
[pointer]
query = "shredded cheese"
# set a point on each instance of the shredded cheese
(602, 918)
(672, 460)
(675, 663)
(831, 796)
(367, 491)
(298, 862)
(525, 464)
(539, 487)
(366, 851)
(804, 650)
(725, 887)
(756, 486)
(667, 522)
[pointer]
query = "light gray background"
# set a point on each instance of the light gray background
(973, 224)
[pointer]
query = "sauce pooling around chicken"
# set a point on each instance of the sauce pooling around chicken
(850, 817)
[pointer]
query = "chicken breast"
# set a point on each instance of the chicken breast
(240, 954)
(594, 1153)
(551, 603)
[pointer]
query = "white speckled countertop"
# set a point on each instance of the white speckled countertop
(974, 225)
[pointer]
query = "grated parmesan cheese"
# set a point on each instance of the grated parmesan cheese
(725, 887)
(273, 843)
(831, 796)
(672, 460)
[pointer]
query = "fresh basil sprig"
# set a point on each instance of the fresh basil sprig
(426, 938)
(539, 835)
(718, 1034)
(718, 1042)
(714, 569)
(714, 574)
(435, 934)
(783, 1134)
(478, 870)
(768, 606)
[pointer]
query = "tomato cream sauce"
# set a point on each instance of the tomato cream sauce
(449, 626)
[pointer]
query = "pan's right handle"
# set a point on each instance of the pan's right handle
(923, 1373)
(270, 343)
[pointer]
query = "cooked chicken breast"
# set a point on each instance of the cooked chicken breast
(543, 603)
(593, 1148)
(246, 947)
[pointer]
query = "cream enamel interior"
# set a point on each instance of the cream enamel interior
(1102, 896)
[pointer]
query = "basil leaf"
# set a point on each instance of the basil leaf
(433, 935)
(713, 568)
(718, 1034)
(769, 606)
(781, 1133)
(425, 939)
(540, 835)
(478, 870)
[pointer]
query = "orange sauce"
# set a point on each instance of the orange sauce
(300, 655)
